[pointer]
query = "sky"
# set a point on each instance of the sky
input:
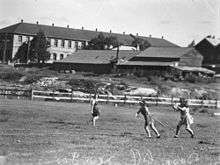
(179, 21)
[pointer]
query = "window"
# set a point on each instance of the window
(63, 43)
(27, 38)
(83, 44)
(69, 44)
(49, 41)
(20, 39)
(56, 42)
(76, 45)
(61, 56)
(55, 56)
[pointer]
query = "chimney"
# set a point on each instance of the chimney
(52, 24)
(150, 35)
(82, 28)
(67, 26)
(37, 22)
(22, 21)
(123, 33)
(96, 29)
(110, 31)
(136, 34)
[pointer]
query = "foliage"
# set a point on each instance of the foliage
(37, 50)
(192, 44)
(102, 43)
(21, 54)
(10, 75)
(140, 42)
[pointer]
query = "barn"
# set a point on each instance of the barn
(162, 59)
(96, 61)
(209, 48)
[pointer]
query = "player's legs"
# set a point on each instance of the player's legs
(146, 127)
(155, 130)
(189, 129)
(94, 119)
(178, 128)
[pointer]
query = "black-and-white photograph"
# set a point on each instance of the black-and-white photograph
(109, 82)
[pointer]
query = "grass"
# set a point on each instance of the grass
(58, 133)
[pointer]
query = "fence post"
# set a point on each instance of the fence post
(107, 98)
(125, 98)
(71, 96)
(157, 100)
(32, 94)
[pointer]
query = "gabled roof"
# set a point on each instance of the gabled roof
(97, 56)
(214, 41)
(77, 34)
(167, 52)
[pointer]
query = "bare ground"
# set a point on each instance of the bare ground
(53, 133)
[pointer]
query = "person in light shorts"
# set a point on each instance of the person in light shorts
(185, 117)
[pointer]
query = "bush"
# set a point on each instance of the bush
(83, 85)
(10, 76)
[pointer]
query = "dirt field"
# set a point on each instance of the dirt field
(50, 133)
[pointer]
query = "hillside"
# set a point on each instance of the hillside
(45, 79)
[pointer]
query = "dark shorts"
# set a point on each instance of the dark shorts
(94, 114)
(148, 120)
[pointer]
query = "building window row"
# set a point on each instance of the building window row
(77, 44)
(55, 56)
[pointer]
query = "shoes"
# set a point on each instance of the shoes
(176, 136)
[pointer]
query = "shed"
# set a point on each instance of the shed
(96, 61)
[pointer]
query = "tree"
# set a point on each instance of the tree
(21, 54)
(140, 42)
(102, 43)
(34, 50)
(38, 48)
(192, 44)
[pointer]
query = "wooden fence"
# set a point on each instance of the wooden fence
(119, 99)
(115, 99)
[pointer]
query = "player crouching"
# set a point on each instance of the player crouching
(185, 117)
(148, 119)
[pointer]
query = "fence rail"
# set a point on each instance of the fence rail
(116, 99)
(121, 99)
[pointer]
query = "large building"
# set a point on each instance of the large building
(64, 41)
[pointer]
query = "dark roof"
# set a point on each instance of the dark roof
(78, 34)
(168, 52)
(146, 63)
(213, 41)
(97, 56)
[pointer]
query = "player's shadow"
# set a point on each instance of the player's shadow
(64, 123)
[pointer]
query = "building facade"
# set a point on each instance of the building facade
(63, 41)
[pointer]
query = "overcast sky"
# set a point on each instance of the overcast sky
(179, 21)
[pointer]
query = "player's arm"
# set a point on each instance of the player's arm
(176, 107)
(137, 113)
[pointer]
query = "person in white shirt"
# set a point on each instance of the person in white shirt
(185, 117)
